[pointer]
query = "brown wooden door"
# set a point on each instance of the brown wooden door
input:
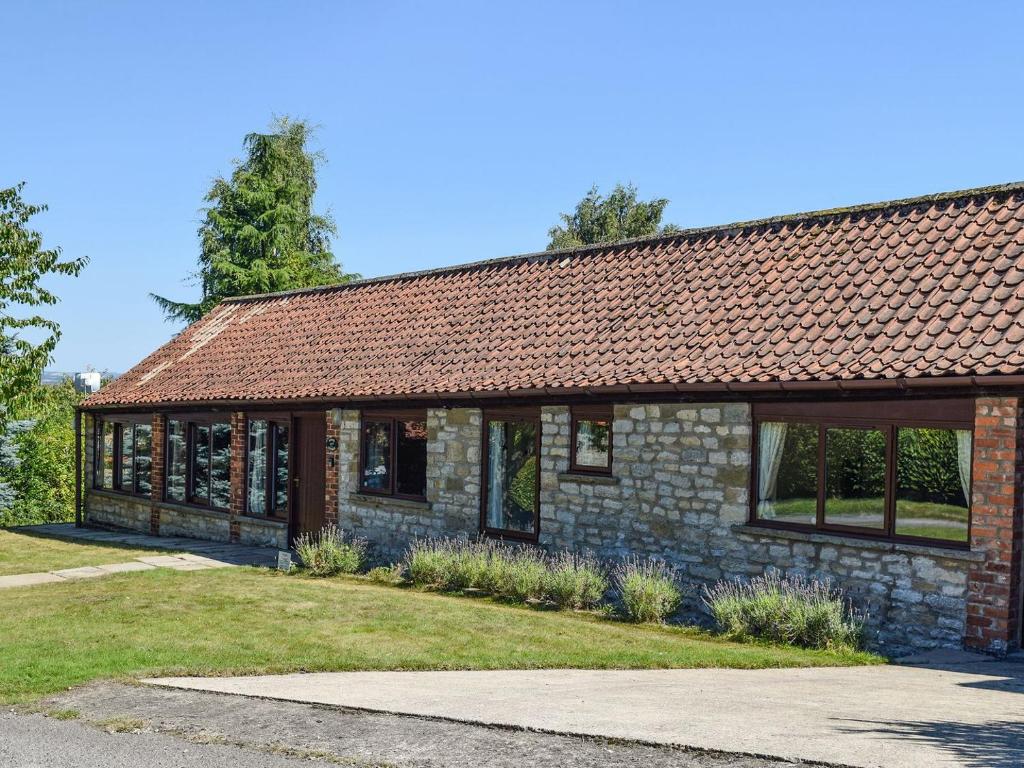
(309, 473)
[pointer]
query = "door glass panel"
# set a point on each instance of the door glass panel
(512, 475)
(200, 490)
(127, 461)
(176, 460)
(143, 457)
(256, 469)
(280, 469)
(220, 468)
(106, 478)
(933, 483)
(855, 477)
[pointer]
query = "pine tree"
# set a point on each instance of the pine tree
(260, 233)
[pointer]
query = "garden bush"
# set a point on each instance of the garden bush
(516, 574)
(386, 574)
(647, 589)
(447, 564)
(575, 581)
(330, 552)
(809, 613)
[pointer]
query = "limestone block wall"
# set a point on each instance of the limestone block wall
(452, 506)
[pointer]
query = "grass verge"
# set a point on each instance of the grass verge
(27, 553)
(247, 621)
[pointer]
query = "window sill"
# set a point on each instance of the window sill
(856, 542)
(586, 477)
(192, 509)
(388, 501)
(267, 522)
(115, 494)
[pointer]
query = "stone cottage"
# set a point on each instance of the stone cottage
(836, 394)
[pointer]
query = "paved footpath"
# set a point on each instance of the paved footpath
(188, 554)
(966, 714)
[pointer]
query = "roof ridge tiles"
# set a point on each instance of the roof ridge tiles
(818, 217)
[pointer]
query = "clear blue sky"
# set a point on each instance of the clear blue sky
(459, 131)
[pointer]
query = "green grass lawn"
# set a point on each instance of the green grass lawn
(26, 553)
(250, 621)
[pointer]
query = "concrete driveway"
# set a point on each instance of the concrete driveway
(969, 714)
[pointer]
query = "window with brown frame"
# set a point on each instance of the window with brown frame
(511, 505)
(393, 454)
(591, 439)
(123, 454)
(198, 461)
(899, 471)
(267, 468)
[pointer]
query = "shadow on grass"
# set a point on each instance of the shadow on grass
(995, 744)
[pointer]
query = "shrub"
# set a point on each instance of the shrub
(447, 564)
(647, 589)
(806, 612)
(330, 552)
(575, 581)
(386, 574)
(516, 574)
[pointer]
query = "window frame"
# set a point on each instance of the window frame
(391, 418)
(580, 413)
(119, 422)
(523, 414)
(272, 419)
(888, 417)
(191, 420)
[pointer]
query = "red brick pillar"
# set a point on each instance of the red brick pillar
(994, 597)
(156, 471)
(331, 484)
(237, 504)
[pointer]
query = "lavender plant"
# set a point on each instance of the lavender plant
(809, 613)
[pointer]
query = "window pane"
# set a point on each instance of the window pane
(220, 471)
(377, 455)
(281, 469)
(933, 483)
(256, 472)
(127, 443)
(143, 457)
(200, 490)
(787, 472)
(106, 478)
(855, 477)
(411, 458)
(592, 444)
(511, 475)
(175, 460)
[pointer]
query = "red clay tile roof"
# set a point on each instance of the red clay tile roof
(908, 290)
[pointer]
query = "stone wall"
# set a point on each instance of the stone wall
(679, 491)
(452, 506)
(117, 509)
(108, 508)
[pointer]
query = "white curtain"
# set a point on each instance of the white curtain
(771, 440)
(963, 461)
(257, 503)
(496, 474)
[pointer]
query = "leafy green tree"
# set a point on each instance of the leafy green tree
(620, 216)
(37, 458)
(260, 233)
(26, 341)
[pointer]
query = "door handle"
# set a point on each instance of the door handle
(295, 480)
